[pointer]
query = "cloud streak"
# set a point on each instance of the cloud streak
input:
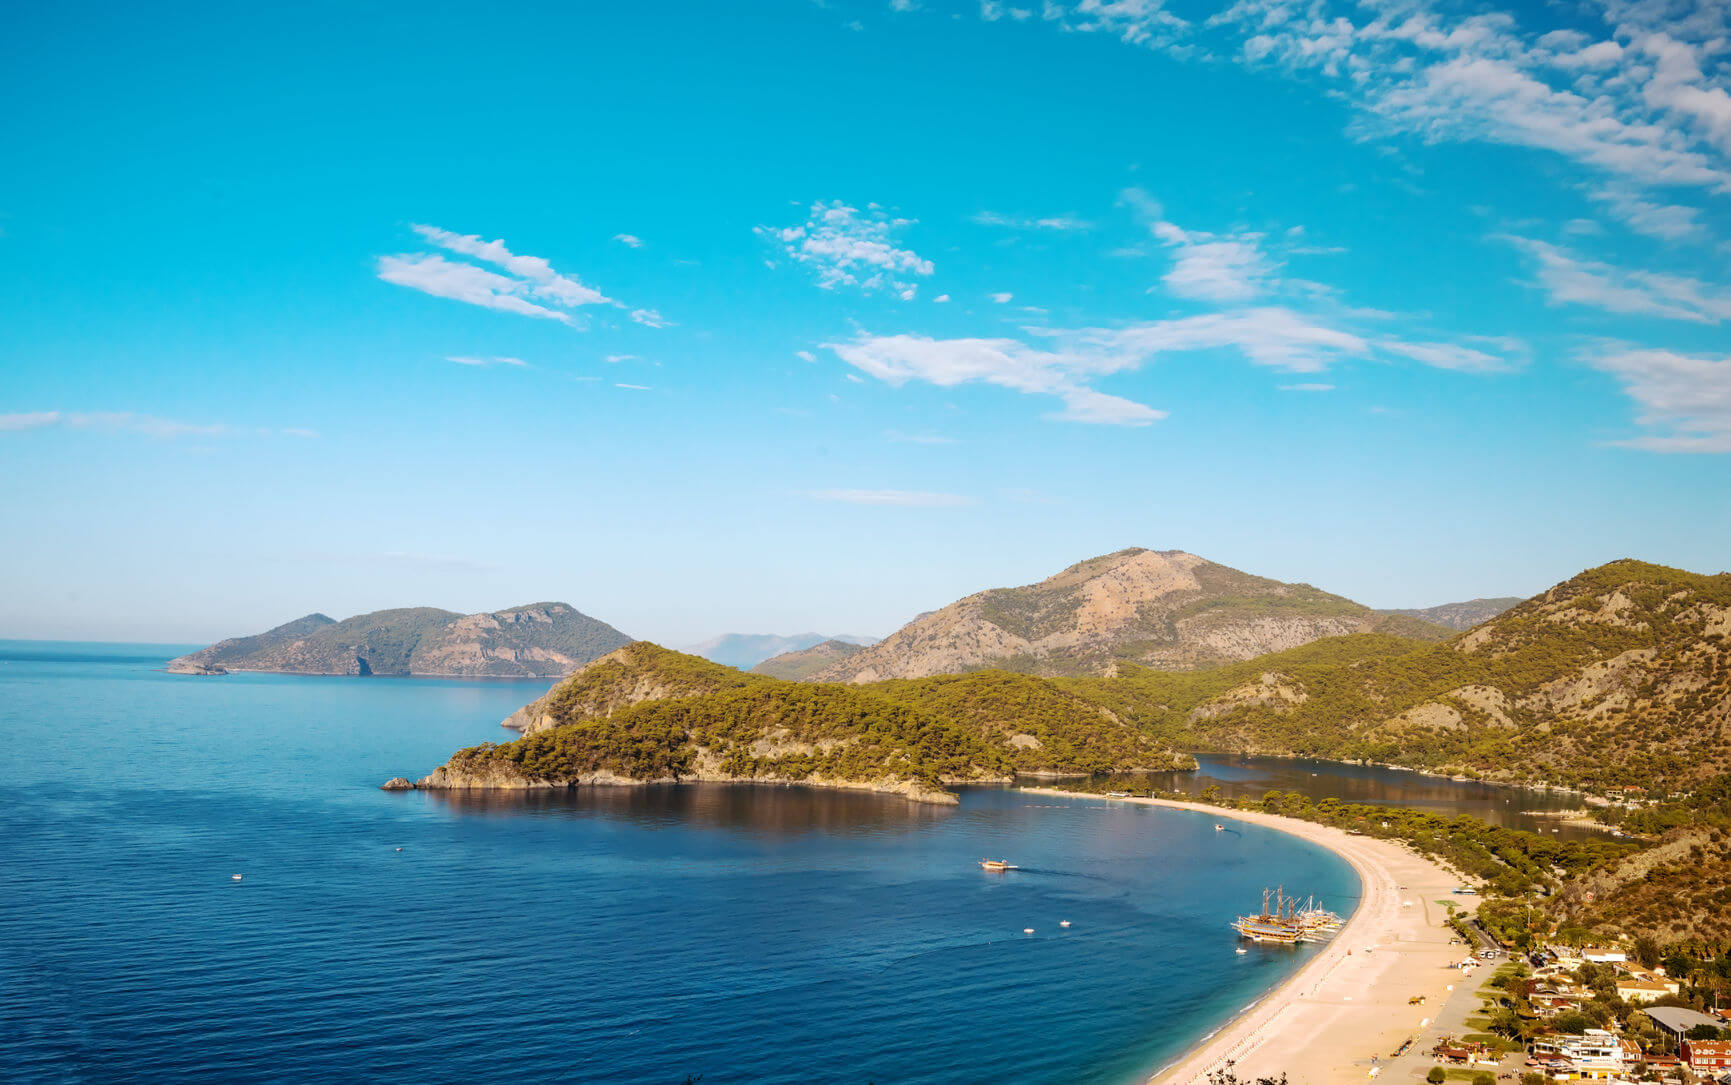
(1685, 398)
(144, 425)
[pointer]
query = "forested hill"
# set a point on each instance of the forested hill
(1621, 675)
(647, 713)
(540, 639)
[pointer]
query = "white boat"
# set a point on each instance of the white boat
(1027, 930)
(998, 865)
(1219, 828)
(237, 877)
(1242, 951)
(1063, 922)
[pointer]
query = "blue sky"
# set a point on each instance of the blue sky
(814, 316)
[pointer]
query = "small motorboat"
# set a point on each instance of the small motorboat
(236, 877)
(1219, 828)
(998, 865)
(1242, 951)
(1027, 930)
(1063, 922)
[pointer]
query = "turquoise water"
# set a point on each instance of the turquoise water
(744, 934)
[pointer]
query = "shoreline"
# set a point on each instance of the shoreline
(1346, 1010)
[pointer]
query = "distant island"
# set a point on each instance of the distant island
(540, 640)
(1603, 681)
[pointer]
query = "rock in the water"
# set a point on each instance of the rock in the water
(397, 783)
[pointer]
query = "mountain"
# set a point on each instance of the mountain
(1166, 609)
(1619, 676)
(747, 650)
(537, 640)
(802, 664)
(645, 713)
(1461, 616)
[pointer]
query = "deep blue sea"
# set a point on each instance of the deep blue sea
(740, 934)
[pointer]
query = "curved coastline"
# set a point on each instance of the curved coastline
(1347, 1009)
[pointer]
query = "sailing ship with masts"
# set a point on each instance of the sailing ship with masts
(1284, 921)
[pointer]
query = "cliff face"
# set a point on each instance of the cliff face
(542, 639)
(1165, 609)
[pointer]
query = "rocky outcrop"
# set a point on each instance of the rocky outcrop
(505, 776)
(541, 639)
(398, 783)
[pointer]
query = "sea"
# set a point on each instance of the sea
(664, 935)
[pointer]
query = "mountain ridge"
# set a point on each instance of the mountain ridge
(1169, 609)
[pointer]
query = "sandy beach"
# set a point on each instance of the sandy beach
(1347, 1011)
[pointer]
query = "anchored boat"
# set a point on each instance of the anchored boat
(1286, 922)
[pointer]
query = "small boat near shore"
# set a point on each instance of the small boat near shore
(997, 865)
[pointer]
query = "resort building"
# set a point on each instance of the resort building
(1595, 1055)
(1634, 991)
(1712, 1055)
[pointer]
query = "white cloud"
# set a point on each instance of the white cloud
(630, 240)
(941, 298)
(1666, 221)
(1642, 99)
(848, 247)
(649, 318)
(1307, 388)
(464, 359)
(1002, 298)
(11, 423)
(904, 498)
(1058, 223)
(635, 387)
(1211, 267)
(1570, 279)
(1687, 398)
(529, 287)
(615, 359)
(1067, 370)
(805, 355)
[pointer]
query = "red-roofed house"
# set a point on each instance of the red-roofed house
(1707, 1054)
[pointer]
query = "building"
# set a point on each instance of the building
(1595, 1055)
(1707, 1054)
(1678, 1021)
(1637, 991)
(1604, 955)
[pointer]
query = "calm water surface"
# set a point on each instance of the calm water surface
(744, 934)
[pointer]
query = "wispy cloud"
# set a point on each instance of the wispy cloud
(1569, 279)
(649, 318)
(1307, 388)
(630, 240)
(465, 359)
(1686, 398)
(1211, 267)
(142, 424)
(525, 285)
(1057, 223)
(1002, 298)
(635, 387)
(1067, 364)
(903, 498)
(850, 247)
